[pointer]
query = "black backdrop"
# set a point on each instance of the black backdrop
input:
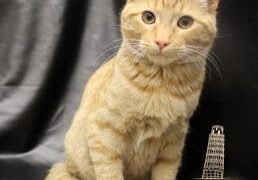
(48, 50)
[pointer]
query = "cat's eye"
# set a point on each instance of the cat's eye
(148, 17)
(185, 22)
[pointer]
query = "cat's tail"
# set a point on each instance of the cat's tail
(59, 172)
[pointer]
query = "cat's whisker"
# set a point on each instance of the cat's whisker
(209, 59)
(136, 51)
(98, 59)
(110, 50)
(203, 51)
(213, 61)
(191, 59)
(216, 67)
(209, 71)
(113, 42)
(211, 53)
(208, 68)
(137, 47)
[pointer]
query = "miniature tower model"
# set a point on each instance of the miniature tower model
(214, 162)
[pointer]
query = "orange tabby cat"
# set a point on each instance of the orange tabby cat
(135, 111)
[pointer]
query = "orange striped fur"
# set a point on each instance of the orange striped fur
(135, 111)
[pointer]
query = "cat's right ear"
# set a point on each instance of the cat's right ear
(211, 5)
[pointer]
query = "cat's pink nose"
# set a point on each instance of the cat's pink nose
(162, 44)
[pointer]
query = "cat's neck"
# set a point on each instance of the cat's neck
(151, 77)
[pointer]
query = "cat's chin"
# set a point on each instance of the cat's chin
(163, 60)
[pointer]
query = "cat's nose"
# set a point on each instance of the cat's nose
(162, 44)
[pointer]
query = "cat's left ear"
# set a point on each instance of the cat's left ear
(212, 5)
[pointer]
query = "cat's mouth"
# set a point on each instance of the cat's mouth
(163, 59)
(158, 53)
(166, 55)
(162, 55)
(166, 58)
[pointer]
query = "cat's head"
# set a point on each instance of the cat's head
(169, 31)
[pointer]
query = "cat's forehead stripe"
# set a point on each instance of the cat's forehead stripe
(167, 3)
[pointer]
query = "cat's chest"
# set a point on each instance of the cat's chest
(160, 103)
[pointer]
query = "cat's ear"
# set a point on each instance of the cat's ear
(212, 5)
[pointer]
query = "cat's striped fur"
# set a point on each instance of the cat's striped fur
(135, 111)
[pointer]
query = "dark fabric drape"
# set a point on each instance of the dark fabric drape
(49, 49)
